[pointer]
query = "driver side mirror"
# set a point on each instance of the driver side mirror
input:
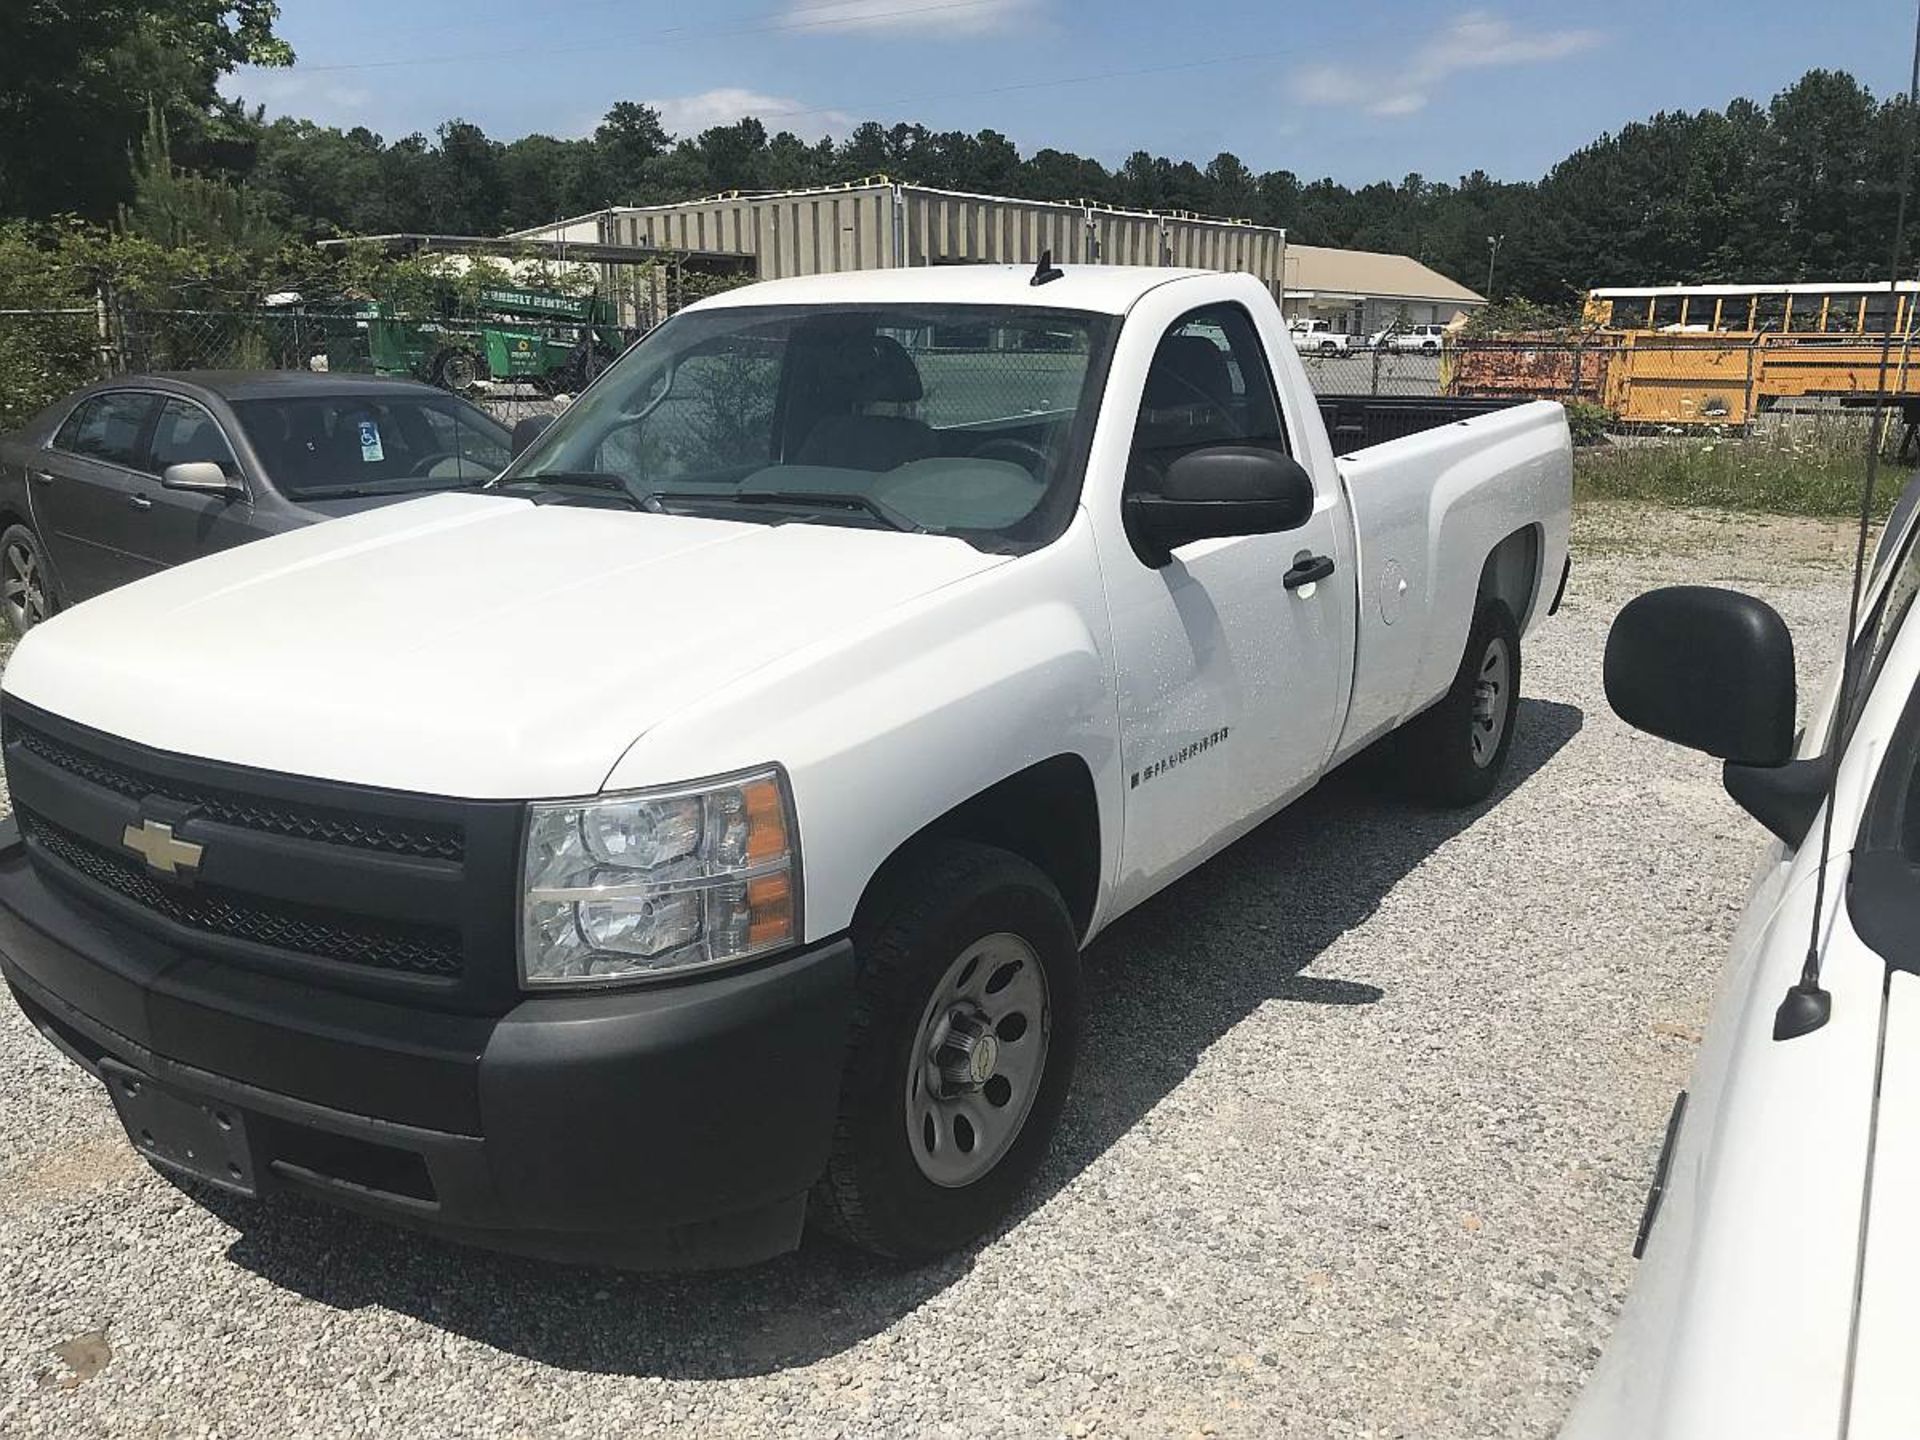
(1713, 670)
(1705, 668)
(1216, 491)
(203, 477)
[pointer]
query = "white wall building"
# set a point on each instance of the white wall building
(877, 224)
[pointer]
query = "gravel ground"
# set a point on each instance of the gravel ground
(1360, 1140)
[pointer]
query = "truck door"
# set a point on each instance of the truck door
(1231, 682)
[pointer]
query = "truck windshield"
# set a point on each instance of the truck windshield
(319, 447)
(968, 420)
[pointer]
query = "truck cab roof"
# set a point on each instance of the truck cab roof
(1108, 289)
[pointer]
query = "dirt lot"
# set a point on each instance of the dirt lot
(1364, 1123)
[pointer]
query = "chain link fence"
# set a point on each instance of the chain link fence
(512, 369)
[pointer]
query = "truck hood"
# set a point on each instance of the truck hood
(469, 645)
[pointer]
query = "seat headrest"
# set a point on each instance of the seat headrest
(1188, 370)
(870, 369)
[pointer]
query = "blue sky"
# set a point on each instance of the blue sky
(1360, 90)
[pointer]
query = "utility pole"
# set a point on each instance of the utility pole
(1493, 253)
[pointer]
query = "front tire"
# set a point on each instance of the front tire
(458, 370)
(965, 1028)
(1452, 753)
(26, 583)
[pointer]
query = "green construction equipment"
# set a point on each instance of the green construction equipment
(551, 341)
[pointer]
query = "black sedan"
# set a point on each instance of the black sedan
(142, 472)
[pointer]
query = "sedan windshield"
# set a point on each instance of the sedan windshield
(962, 419)
(319, 447)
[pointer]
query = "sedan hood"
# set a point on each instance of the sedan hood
(469, 645)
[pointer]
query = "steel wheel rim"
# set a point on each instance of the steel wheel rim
(978, 1059)
(21, 589)
(1490, 689)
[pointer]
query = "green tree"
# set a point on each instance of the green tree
(175, 208)
(77, 81)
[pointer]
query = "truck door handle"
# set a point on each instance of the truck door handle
(40, 477)
(1307, 568)
(140, 502)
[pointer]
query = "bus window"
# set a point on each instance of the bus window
(1666, 310)
(1880, 314)
(1736, 312)
(1804, 314)
(1769, 312)
(1631, 314)
(1843, 314)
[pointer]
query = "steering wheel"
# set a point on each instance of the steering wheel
(423, 467)
(1036, 459)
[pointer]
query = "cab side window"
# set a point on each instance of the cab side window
(1208, 385)
(184, 433)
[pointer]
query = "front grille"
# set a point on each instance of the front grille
(307, 930)
(421, 838)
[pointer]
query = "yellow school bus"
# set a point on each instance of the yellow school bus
(1716, 354)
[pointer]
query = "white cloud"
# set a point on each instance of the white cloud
(936, 17)
(287, 92)
(690, 114)
(1478, 40)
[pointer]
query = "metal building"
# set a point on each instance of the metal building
(877, 224)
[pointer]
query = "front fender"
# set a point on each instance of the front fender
(887, 724)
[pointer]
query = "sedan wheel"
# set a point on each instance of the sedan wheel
(25, 595)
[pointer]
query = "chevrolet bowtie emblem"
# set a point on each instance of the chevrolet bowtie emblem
(153, 841)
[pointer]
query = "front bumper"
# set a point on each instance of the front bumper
(672, 1126)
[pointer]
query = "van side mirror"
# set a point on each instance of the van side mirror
(1218, 490)
(1706, 668)
(527, 430)
(203, 477)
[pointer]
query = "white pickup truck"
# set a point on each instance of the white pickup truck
(699, 829)
(1779, 1285)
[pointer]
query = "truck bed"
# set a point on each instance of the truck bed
(1429, 506)
(1356, 421)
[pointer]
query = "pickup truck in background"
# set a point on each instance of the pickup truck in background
(1320, 337)
(697, 829)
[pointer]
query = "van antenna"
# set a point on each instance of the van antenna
(1046, 270)
(1807, 1006)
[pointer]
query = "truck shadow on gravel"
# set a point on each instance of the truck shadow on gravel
(1163, 984)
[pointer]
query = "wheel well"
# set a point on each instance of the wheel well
(1512, 573)
(1048, 814)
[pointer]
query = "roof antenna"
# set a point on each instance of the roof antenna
(1807, 1006)
(1046, 270)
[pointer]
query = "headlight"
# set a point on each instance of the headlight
(633, 885)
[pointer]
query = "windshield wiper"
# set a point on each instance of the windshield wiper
(563, 480)
(831, 499)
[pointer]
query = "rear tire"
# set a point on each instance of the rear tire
(26, 583)
(965, 1027)
(1452, 753)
